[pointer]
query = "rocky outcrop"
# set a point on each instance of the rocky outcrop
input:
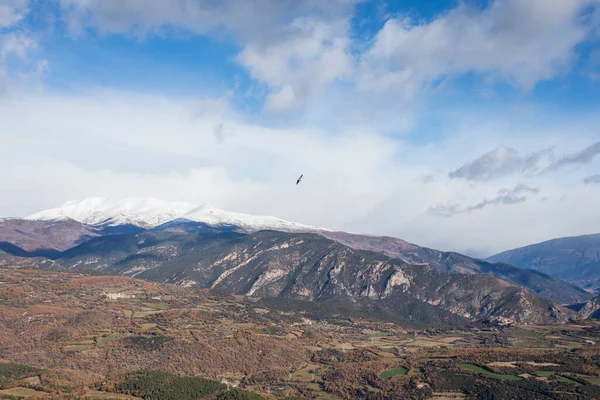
(311, 268)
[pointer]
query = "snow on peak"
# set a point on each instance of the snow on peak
(149, 212)
(214, 216)
(145, 212)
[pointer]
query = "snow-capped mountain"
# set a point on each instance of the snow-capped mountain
(150, 212)
(76, 227)
(144, 212)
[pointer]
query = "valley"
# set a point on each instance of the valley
(75, 334)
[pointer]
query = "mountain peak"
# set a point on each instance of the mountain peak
(150, 212)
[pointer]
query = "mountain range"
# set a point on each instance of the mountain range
(283, 262)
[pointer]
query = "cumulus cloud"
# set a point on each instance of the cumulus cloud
(294, 47)
(299, 48)
(298, 66)
(262, 21)
(522, 42)
(505, 196)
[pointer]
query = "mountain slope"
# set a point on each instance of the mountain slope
(538, 283)
(309, 267)
(9, 260)
(106, 217)
(570, 258)
(34, 236)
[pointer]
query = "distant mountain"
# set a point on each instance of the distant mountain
(40, 236)
(149, 212)
(575, 259)
(310, 268)
(47, 238)
(536, 282)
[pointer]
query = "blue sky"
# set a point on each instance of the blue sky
(444, 123)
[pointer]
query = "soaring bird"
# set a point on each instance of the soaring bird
(299, 179)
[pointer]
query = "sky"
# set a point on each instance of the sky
(471, 126)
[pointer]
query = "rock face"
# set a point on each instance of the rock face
(311, 268)
(590, 308)
(574, 259)
(536, 282)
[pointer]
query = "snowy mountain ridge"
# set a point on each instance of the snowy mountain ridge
(147, 212)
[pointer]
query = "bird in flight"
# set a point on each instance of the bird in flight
(299, 179)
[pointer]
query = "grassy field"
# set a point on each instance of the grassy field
(157, 306)
(393, 372)
(567, 380)
(79, 347)
(545, 373)
(591, 379)
(20, 392)
(96, 395)
(480, 370)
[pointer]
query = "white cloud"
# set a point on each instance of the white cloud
(504, 161)
(251, 21)
(122, 144)
(310, 58)
(12, 12)
(300, 48)
(522, 42)
(20, 67)
(294, 47)
(499, 162)
(15, 44)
